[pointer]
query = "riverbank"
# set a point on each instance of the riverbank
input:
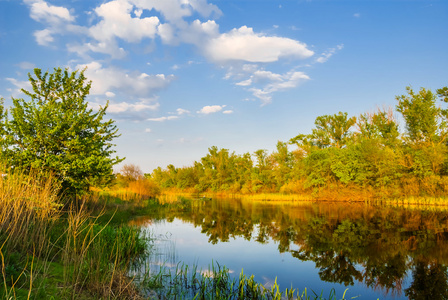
(171, 195)
(52, 247)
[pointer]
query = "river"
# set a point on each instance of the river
(375, 252)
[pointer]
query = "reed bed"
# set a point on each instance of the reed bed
(48, 251)
(28, 211)
(216, 283)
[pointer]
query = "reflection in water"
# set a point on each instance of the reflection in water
(349, 243)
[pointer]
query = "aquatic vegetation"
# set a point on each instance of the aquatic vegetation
(216, 283)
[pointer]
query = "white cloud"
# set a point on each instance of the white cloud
(25, 65)
(244, 45)
(162, 119)
(286, 81)
(357, 15)
(126, 107)
(148, 130)
(109, 94)
(244, 82)
(138, 12)
(19, 85)
(41, 11)
(210, 109)
(329, 53)
(57, 18)
(110, 47)
(118, 22)
(181, 111)
(43, 37)
(126, 110)
(262, 83)
(175, 10)
(228, 112)
(133, 83)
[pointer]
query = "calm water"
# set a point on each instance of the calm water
(375, 252)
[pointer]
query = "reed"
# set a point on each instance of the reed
(41, 241)
(216, 283)
(28, 212)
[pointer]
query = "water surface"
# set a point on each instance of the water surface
(375, 252)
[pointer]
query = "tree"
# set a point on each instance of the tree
(330, 131)
(131, 172)
(427, 131)
(424, 120)
(55, 130)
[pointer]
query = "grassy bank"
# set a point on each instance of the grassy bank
(53, 249)
(171, 195)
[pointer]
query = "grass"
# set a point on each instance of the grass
(48, 252)
(216, 283)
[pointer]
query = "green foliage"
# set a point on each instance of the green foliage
(374, 158)
(424, 123)
(56, 130)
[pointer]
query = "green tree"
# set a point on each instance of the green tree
(426, 132)
(55, 130)
(424, 120)
(380, 125)
(333, 130)
(330, 131)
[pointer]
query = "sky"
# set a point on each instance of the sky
(182, 76)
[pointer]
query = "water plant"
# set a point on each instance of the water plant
(184, 282)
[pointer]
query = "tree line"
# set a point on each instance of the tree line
(368, 155)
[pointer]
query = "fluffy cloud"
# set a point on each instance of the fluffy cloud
(175, 10)
(41, 11)
(210, 109)
(118, 22)
(44, 37)
(135, 83)
(244, 45)
(57, 18)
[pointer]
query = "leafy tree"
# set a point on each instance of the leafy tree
(330, 131)
(443, 93)
(379, 125)
(424, 120)
(426, 132)
(55, 130)
(333, 130)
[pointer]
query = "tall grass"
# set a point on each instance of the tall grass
(99, 256)
(39, 240)
(28, 211)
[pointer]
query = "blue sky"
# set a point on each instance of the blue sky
(184, 75)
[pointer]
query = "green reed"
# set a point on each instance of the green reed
(216, 283)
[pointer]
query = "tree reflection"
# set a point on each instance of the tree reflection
(429, 281)
(338, 268)
(348, 243)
